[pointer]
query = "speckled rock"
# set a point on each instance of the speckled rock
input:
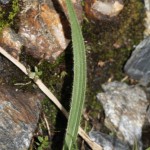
(103, 9)
(125, 109)
(11, 42)
(138, 65)
(1, 65)
(4, 1)
(77, 6)
(43, 31)
(19, 114)
(108, 142)
(147, 19)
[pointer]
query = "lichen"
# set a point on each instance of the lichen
(7, 13)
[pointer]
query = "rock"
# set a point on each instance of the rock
(147, 19)
(147, 24)
(4, 1)
(12, 42)
(19, 114)
(1, 65)
(148, 114)
(125, 109)
(108, 142)
(147, 4)
(99, 10)
(43, 31)
(77, 6)
(138, 66)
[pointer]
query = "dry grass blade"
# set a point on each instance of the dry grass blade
(47, 125)
(50, 95)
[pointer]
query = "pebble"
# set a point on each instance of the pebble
(4, 1)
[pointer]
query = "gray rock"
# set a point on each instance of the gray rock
(19, 114)
(147, 4)
(148, 113)
(138, 66)
(4, 1)
(1, 66)
(108, 142)
(125, 109)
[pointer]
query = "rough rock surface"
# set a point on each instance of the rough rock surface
(11, 42)
(77, 7)
(4, 1)
(19, 113)
(125, 109)
(138, 66)
(43, 31)
(106, 9)
(108, 142)
(148, 113)
(147, 19)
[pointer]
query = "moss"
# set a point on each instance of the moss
(8, 13)
(111, 41)
(50, 111)
(126, 30)
(114, 39)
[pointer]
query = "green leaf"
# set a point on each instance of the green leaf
(40, 148)
(45, 144)
(39, 73)
(79, 81)
(36, 69)
(46, 138)
(37, 143)
(40, 139)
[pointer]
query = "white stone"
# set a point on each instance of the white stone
(125, 109)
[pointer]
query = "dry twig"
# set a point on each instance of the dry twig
(50, 95)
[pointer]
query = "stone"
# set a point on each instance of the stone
(148, 114)
(147, 19)
(4, 1)
(11, 42)
(1, 65)
(42, 29)
(108, 142)
(125, 110)
(100, 10)
(19, 114)
(147, 24)
(138, 65)
(77, 6)
(147, 4)
(43, 32)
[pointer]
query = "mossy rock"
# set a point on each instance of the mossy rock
(8, 12)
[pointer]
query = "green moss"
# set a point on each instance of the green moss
(50, 111)
(8, 13)
(111, 41)
(114, 39)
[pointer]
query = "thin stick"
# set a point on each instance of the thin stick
(50, 95)
(47, 125)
